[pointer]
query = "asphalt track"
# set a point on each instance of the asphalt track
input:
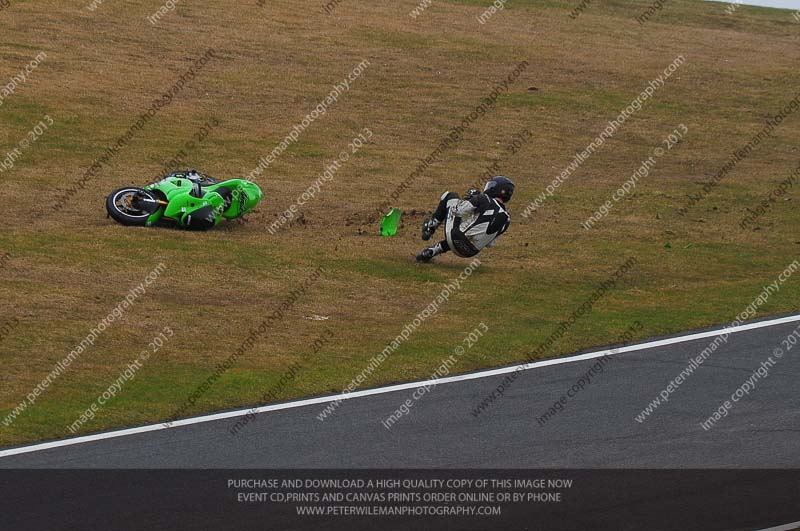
(595, 429)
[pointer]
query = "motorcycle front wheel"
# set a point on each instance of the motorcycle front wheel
(129, 206)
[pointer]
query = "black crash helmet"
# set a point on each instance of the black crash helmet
(499, 187)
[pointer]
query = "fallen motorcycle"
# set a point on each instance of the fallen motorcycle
(188, 199)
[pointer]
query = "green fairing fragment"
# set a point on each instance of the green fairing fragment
(391, 222)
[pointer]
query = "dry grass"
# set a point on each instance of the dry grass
(274, 64)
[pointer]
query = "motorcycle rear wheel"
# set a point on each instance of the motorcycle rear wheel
(121, 205)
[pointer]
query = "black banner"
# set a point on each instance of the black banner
(684, 500)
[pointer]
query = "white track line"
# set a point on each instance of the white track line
(393, 388)
(785, 527)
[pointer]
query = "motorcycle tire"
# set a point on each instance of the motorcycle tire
(120, 206)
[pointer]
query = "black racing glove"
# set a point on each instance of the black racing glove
(478, 199)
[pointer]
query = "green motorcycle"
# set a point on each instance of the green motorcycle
(187, 198)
